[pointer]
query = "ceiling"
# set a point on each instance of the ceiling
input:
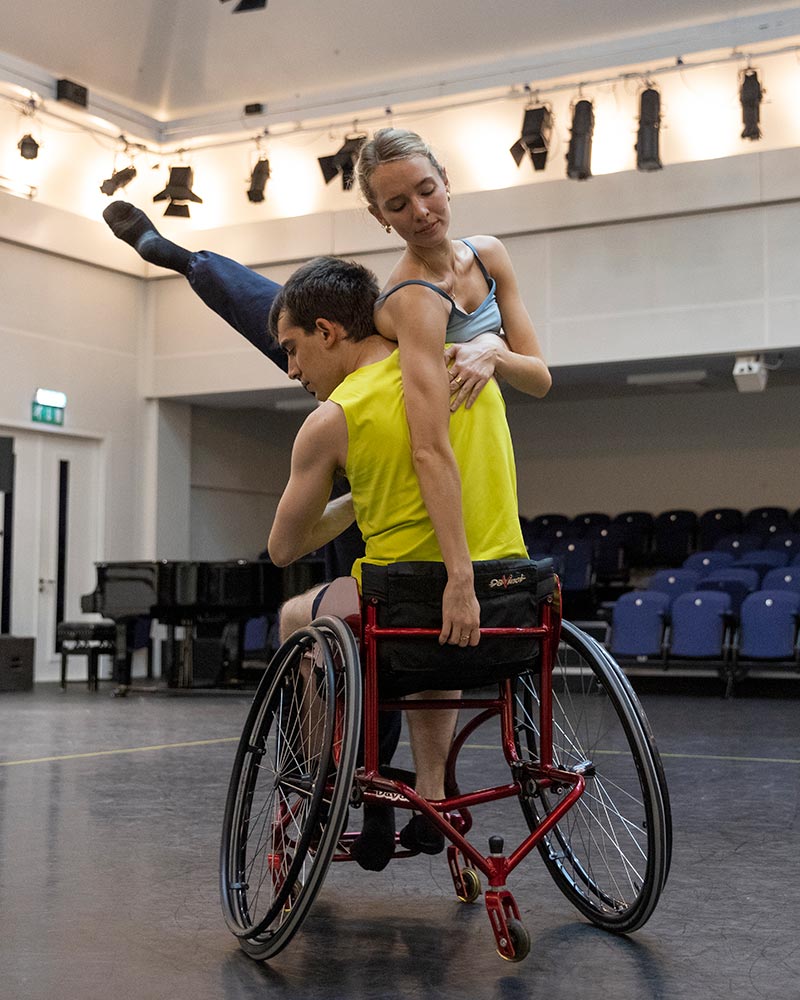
(174, 59)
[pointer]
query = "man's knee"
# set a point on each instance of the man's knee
(298, 612)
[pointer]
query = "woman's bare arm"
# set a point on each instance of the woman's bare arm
(416, 318)
(519, 360)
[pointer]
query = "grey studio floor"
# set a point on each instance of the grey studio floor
(110, 816)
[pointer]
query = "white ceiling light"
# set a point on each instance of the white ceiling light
(667, 378)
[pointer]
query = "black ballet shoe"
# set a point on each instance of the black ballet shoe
(130, 224)
(421, 836)
(374, 847)
(127, 222)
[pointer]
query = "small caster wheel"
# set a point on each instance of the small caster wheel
(292, 898)
(520, 941)
(472, 885)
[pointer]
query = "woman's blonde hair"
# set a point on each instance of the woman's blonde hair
(386, 146)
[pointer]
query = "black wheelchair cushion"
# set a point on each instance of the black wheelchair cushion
(409, 595)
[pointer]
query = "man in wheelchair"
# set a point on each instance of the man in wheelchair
(322, 318)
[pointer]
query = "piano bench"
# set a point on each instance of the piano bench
(89, 639)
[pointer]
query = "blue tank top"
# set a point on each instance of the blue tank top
(461, 326)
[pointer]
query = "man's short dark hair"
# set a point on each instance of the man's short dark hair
(328, 288)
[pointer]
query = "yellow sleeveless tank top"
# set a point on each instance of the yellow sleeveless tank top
(386, 496)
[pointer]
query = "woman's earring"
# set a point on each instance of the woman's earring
(388, 228)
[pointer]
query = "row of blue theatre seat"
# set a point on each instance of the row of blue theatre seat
(664, 539)
(733, 611)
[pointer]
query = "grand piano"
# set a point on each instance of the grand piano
(204, 606)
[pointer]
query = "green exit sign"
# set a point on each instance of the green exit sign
(41, 414)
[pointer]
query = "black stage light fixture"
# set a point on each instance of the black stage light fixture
(579, 154)
(178, 189)
(258, 180)
(647, 155)
(28, 147)
(117, 180)
(248, 5)
(537, 126)
(72, 93)
(750, 94)
(344, 161)
(177, 210)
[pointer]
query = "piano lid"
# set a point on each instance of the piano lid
(175, 590)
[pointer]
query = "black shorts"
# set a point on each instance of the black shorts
(510, 593)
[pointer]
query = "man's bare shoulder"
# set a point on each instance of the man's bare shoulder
(322, 438)
(323, 420)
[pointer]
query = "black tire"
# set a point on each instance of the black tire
(289, 789)
(601, 651)
(520, 941)
(471, 882)
(610, 853)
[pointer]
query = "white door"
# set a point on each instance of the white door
(58, 518)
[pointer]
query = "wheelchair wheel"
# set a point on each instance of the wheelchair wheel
(610, 853)
(615, 668)
(289, 789)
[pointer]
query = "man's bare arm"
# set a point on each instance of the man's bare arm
(305, 519)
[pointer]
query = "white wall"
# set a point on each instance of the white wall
(240, 464)
(710, 283)
(696, 450)
(70, 326)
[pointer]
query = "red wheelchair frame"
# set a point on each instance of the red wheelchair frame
(555, 776)
(451, 814)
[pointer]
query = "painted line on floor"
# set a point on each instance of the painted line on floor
(120, 750)
(665, 756)
(467, 746)
(730, 757)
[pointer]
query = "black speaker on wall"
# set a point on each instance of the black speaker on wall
(6, 464)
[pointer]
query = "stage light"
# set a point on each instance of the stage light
(118, 179)
(178, 189)
(750, 94)
(258, 180)
(28, 147)
(579, 154)
(248, 5)
(176, 210)
(537, 126)
(344, 161)
(647, 155)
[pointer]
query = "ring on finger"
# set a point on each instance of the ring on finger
(458, 380)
